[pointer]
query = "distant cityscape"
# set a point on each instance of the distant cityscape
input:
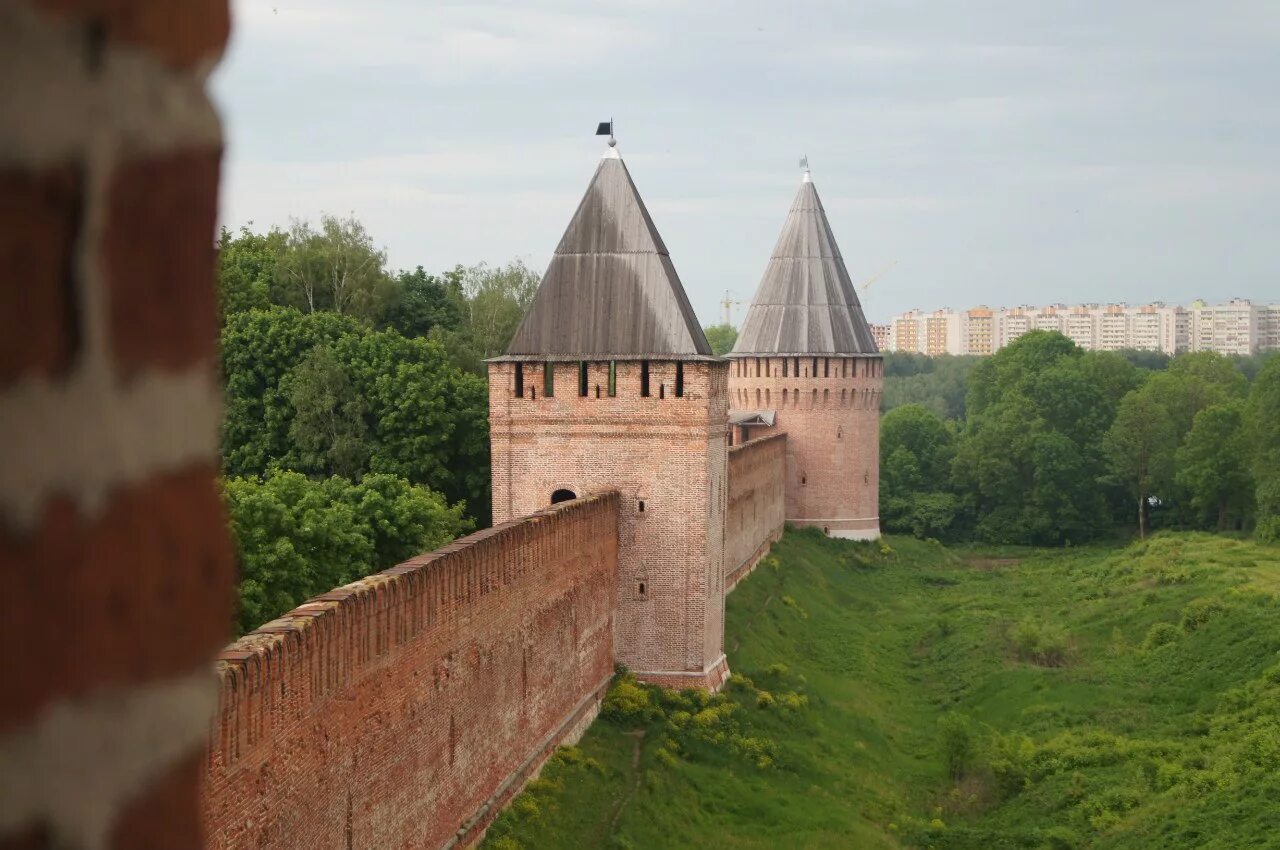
(1238, 326)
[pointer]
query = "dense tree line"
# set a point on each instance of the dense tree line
(1056, 445)
(356, 426)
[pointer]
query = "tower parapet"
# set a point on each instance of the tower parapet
(609, 383)
(806, 354)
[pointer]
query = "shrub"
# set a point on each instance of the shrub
(1160, 635)
(1198, 612)
(628, 702)
(1043, 644)
(959, 744)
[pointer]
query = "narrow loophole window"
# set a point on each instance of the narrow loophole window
(644, 378)
(640, 505)
(814, 371)
(679, 380)
(662, 390)
(549, 379)
(784, 367)
(642, 590)
(582, 378)
(826, 367)
(519, 380)
(804, 479)
(795, 366)
(613, 378)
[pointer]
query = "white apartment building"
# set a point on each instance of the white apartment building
(1236, 327)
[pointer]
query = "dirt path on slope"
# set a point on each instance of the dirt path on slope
(626, 798)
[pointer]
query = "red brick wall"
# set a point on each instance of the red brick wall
(114, 555)
(757, 503)
(403, 708)
(669, 453)
(831, 416)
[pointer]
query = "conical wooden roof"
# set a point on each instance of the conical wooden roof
(610, 291)
(805, 303)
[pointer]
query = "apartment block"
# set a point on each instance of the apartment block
(1236, 327)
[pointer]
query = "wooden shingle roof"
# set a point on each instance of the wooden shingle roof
(611, 291)
(806, 303)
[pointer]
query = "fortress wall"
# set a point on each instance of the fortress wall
(757, 503)
(404, 709)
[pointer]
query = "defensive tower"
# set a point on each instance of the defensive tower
(806, 363)
(609, 383)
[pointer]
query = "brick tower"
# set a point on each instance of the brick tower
(806, 355)
(609, 383)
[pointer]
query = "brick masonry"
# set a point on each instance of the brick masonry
(757, 503)
(667, 457)
(830, 412)
(114, 553)
(404, 709)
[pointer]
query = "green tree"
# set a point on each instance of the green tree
(296, 537)
(258, 348)
(1263, 424)
(938, 383)
(327, 430)
(497, 299)
(425, 420)
(422, 302)
(336, 268)
(722, 337)
(916, 449)
(1213, 462)
(246, 268)
(1028, 460)
(1140, 446)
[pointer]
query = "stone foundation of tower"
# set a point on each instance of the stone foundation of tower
(666, 454)
(829, 408)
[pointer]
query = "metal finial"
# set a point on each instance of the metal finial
(804, 163)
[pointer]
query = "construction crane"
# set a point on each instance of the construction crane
(884, 271)
(728, 304)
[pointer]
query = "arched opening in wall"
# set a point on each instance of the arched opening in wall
(804, 479)
(563, 496)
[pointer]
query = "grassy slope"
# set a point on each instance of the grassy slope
(1121, 747)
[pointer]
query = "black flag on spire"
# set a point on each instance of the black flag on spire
(605, 128)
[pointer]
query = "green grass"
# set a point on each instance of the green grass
(905, 695)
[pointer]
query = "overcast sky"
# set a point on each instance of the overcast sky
(1001, 151)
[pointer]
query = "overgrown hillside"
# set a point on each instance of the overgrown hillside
(904, 695)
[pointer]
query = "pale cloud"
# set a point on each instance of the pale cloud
(1004, 151)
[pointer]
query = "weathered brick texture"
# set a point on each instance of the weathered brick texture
(667, 456)
(757, 503)
(403, 708)
(114, 555)
(830, 412)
